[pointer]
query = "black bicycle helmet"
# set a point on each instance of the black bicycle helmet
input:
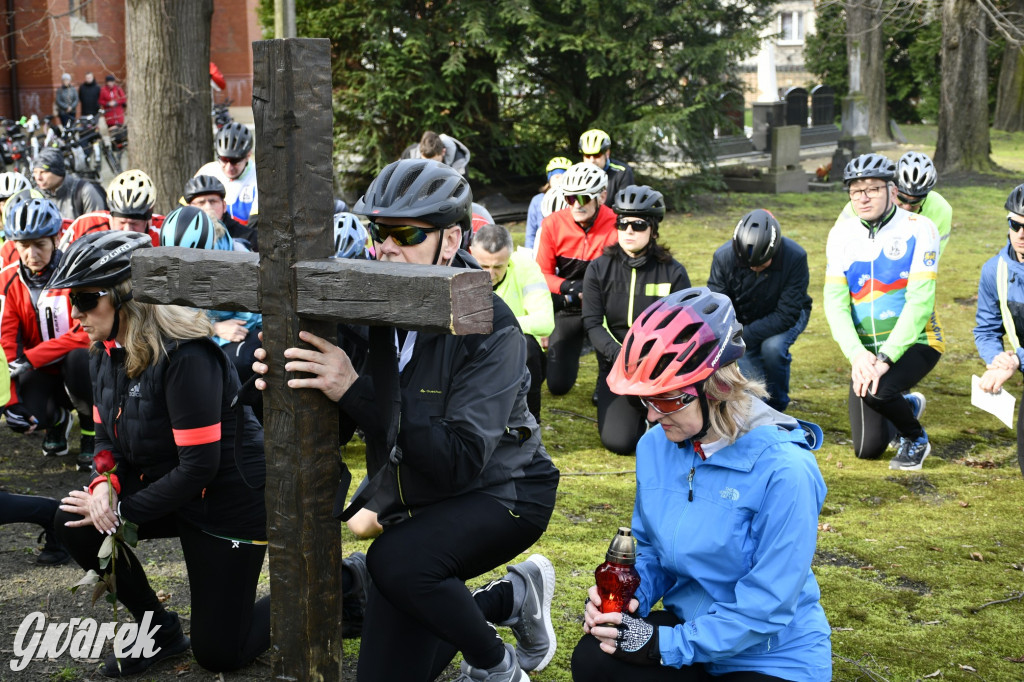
(640, 201)
(99, 259)
(425, 190)
(915, 174)
(33, 219)
(189, 227)
(869, 166)
(756, 239)
(233, 141)
(203, 184)
(1015, 202)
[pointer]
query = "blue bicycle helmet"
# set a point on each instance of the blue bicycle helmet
(349, 236)
(33, 219)
(187, 226)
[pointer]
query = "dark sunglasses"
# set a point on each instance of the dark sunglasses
(86, 301)
(582, 199)
(668, 405)
(638, 224)
(233, 162)
(404, 235)
(1014, 225)
(910, 201)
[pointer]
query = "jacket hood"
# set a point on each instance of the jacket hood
(761, 414)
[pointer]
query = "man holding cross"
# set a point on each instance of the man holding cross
(465, 484)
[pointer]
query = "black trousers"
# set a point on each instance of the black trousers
(590, 664)
(28, 509)
(621, 420)
(564, 346)
(229, 629)
(419, 612)
(877, 418)
(44, 393)
(536, 363)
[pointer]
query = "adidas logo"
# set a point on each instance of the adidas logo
(135, 391)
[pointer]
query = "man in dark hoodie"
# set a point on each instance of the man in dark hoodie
(89, 95)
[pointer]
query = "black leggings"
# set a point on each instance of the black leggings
(44, 393)
(27, 509)
(564, 346)
(535, 363)
(590, 664)
(419, 604)
(228, 629)
(877, 418)
(621, 420)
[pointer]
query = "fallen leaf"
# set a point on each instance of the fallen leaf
(869, 567)
(825, 528)
(935, 549)
(964, 504)
(839, 465)
(163, 595)
(1019, 659)
(968, 668)
(976, 556)
(937, 673)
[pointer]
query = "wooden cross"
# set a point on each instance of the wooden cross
(293, 289)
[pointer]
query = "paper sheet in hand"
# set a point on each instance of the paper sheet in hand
(999, 404)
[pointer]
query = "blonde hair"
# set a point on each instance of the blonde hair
(729, 400)
(146, 326)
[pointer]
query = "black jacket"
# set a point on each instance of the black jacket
(620, 176)
(464, 422)
(171, 431)
(767, 302)
(89, 98)
(615, 293)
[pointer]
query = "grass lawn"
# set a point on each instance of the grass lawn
(904, 558)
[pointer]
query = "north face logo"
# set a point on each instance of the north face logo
(135, 391)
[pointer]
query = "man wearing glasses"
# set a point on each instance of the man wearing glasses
(880, 304)
(235, 170)
(569, 240)
(475, 486)
(1000, 303)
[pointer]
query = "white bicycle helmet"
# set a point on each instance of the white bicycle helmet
(11, 184)
(584, 178)
(131, 195)
(552, 201)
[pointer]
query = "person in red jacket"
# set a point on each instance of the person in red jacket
(569, 240)
(45, 348)
(113, 100)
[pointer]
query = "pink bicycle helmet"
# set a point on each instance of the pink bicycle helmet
(676, 343)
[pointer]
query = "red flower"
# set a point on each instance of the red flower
(104, 461)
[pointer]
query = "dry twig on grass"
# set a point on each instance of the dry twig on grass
(1017, 597)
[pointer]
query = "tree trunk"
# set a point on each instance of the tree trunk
(1009, 114)
(866, 55)
(167, 47)
(963, 139)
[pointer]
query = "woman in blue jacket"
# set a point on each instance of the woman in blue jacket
(726, 512)
(1001, 310)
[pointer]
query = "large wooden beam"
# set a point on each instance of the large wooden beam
(421, 297)
(291, 103)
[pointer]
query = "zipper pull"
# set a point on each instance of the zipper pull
(689, 480)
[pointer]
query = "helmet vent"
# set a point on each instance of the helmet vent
(663, 362)
(710, 308)
(698, 357)
(408, 180)
(432, 187)
(686, 334)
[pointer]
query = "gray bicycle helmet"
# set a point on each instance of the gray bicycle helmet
(640, 201)
(425, 190)
(869, 166)
(915, 174)
(203, 184)
(33, 219)
(233, 141)
(1015, 202)
(99, 259)
(187, 226)
(756, 239)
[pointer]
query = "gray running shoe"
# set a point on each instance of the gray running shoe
(506, 671)
(535, 635)
(911, 454)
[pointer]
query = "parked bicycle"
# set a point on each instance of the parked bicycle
(84, 149)
(14, 146)
(221, 114)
